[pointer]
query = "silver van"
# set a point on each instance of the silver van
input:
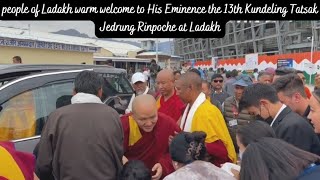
(29, 93)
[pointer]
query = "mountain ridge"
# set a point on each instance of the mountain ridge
(162, 46)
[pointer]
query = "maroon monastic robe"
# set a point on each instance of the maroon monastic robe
(152, 147)
(173, 107)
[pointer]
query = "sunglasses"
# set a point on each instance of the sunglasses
(220, 81)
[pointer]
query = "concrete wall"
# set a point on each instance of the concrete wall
(44, 56)
(104, 53)
(132, 54)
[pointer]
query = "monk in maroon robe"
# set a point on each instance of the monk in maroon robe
(168, 102)
(146, 135)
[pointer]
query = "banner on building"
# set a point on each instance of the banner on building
(251, 61)
(214, 61)
(310, 68)
(282, 63)
(46, 45)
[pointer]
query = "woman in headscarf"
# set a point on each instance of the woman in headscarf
(188, 152)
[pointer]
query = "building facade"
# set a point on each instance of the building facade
(36, 47)
(246, 37)
(43, 48)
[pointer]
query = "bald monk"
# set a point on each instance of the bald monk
(146, 135)
(168, 102)
(201, 115)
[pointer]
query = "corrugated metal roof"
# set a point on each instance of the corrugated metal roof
(117, 48)
(120, 59)
(159, 54)
(153, 54)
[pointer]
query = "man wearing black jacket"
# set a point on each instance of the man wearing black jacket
(291, 92)
(262, 100)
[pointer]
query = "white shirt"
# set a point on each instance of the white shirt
(146, 74)
(255, 76)
(129, 109)
(280, 110)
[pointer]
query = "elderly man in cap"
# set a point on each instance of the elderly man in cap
(233, 117)
(140, 86)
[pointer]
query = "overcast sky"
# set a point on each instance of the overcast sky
(86, 27)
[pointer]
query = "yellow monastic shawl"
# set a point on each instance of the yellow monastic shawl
(209, 119)
(134, 134)
(158, 102)
(9, 167)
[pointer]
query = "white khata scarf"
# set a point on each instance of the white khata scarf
(188, 120)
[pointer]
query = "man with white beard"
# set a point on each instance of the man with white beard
(140, 86)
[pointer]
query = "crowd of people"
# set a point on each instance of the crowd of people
(188, 126)
(271, 106)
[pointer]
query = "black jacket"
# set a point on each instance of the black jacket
(306, 113)
(295, 130)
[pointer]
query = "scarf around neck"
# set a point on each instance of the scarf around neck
(186, 120)
(81, 98)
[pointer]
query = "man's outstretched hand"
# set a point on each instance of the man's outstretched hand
(158, 169)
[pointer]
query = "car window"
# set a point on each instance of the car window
(49, 98)
(116, 84)
(5, 78)
(24, 115)
(18, 117)
(58, 94)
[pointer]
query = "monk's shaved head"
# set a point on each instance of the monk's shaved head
(145, 112)
(143, 101)
(165, 82)
(192, 78)
(166, 73)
